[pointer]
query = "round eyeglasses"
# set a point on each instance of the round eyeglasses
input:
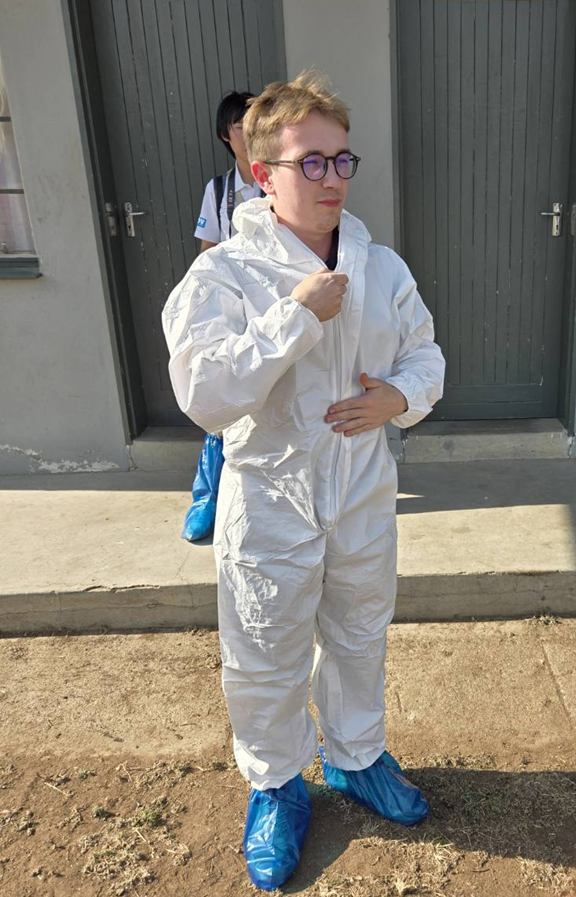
(315, 165)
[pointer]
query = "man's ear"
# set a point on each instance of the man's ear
(262, 174)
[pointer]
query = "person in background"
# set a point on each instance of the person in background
(221, 196)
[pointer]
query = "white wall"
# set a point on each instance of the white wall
(60, 406)
(350, 42)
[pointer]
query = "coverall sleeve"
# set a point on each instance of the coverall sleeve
(222, 366)
(418, 368)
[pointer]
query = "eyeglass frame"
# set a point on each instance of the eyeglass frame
(327, 159)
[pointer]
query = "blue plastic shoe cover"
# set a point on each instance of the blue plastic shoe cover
(382, 788)
(200, 518)
(276, 826)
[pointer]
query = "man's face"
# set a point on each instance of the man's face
(311, 206)
(236, 140)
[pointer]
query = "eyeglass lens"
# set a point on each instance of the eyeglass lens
(315, 166)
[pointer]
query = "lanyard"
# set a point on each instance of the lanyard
(231, 198)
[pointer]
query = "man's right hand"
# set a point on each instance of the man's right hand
(322, 293)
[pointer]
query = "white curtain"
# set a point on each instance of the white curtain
(15, 233)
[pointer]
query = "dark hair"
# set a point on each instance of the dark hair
(231, 109)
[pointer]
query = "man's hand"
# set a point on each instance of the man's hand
(379, 404)
(322, 293)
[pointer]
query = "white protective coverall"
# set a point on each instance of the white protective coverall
(305, 537)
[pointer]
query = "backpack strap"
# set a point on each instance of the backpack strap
(219, 192)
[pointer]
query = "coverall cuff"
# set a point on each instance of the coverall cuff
(348, 763)
(313, 323)
(268, 780)
(417, 408)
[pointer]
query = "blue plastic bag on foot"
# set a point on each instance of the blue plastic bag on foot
(382, 788)
(276, 826)
(199, 521)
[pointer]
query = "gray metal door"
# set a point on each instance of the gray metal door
(163, 67)
(486, 100)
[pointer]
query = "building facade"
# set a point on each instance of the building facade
(462, 112)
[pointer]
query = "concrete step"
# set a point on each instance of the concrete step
(86, 552)
(167, 448)
(178, 448)
(494, 440)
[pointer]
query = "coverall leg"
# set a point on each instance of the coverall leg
(267, 604)
(353, 615)
(271, 604)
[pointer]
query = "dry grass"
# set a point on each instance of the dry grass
(122, 851)
(555, 879)
(544, 620)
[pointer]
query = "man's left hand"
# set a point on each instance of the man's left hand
(380, 403)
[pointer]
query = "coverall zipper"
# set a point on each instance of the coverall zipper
(340, 386)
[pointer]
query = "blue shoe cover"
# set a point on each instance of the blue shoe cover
(276, 826)
(382, 788)
(200, 518)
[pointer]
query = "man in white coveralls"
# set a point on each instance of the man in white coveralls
(299, 339)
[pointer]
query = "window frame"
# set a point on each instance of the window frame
(17, 265)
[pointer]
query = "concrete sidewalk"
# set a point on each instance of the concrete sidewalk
(87, 551)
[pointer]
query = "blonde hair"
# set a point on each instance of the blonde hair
(288, 103)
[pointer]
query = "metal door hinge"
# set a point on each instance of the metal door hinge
(111, 219)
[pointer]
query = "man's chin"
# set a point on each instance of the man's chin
(329, 219)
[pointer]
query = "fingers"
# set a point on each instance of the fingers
(349, 426)
(337, 284)
(355, 426)
(370, 382)
(362, 429)
(350, 414)
(355, 404)
(341, 283)
(334, 277)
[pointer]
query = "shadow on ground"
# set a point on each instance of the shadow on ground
(454, 486)
(529, 817)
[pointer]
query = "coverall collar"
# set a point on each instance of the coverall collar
(256, 221)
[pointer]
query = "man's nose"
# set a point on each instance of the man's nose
(331, 179)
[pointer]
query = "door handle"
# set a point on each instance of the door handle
(129, 217)
(556, 215)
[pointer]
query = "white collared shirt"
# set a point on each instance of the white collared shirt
(207, 225)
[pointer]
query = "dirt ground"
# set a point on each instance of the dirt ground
(117, 776)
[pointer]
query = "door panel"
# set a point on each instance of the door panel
(486, 95)
(163, 67)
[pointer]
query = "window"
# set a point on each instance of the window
(16, 243)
